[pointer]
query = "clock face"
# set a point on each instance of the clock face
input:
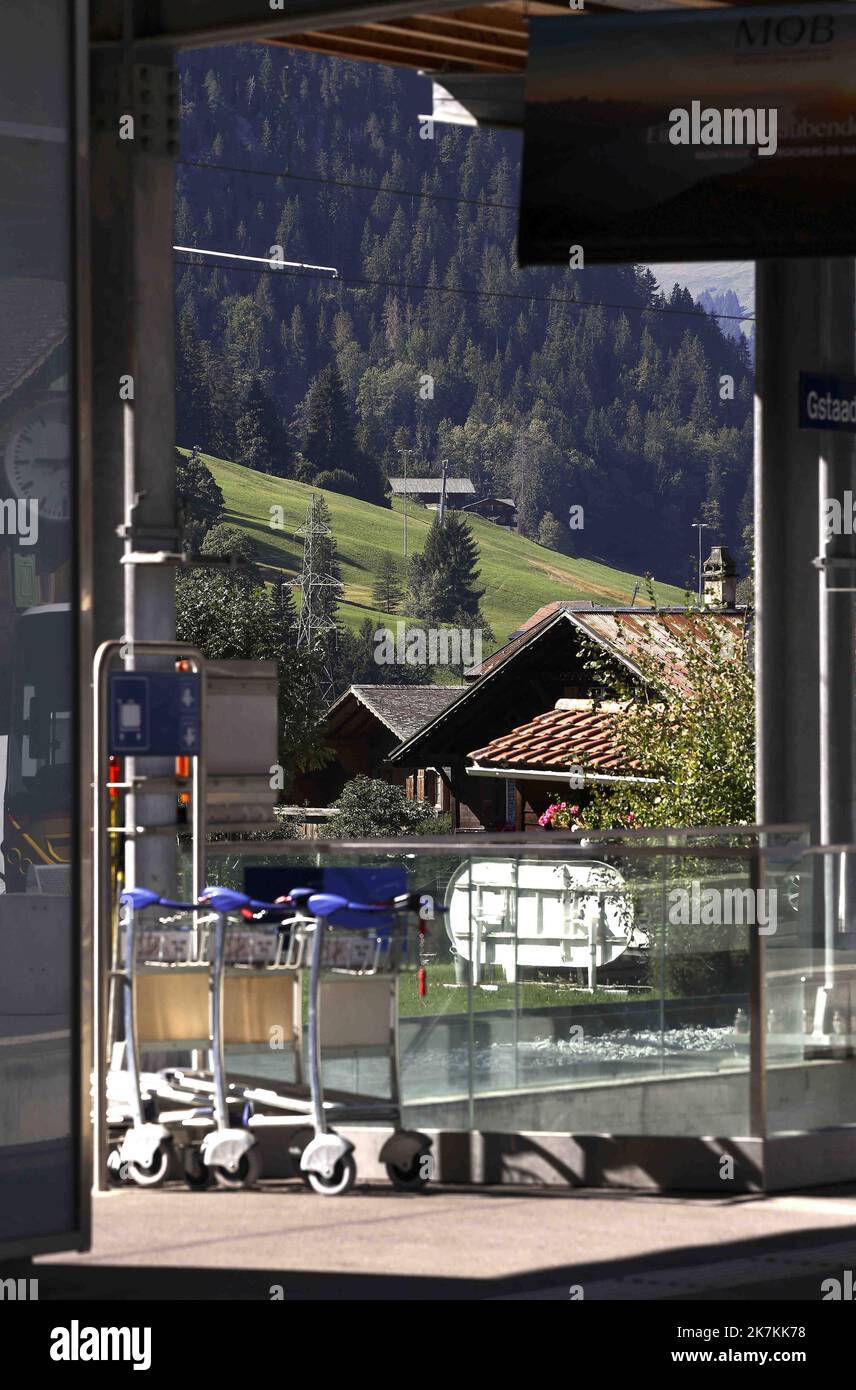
(38, 458)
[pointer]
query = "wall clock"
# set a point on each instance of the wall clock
(38, 457)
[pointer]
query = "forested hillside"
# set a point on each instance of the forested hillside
(587, 387)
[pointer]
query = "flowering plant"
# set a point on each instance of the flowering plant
(560, 816)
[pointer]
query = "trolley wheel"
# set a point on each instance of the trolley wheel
(341, 1180)
(197, 1175)
(246, 1174)
(409, 1177)
(154, 1173)
(117, 1173)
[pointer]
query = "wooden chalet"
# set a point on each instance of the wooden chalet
(527, 714)
(502, 511)
(363, 726)
(428, 491)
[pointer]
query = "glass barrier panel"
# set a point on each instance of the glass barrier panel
(569, 986)
(810, 987)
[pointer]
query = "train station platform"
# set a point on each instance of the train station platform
(282, 1242)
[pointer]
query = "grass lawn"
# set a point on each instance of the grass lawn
(519, 576)
(528, 994)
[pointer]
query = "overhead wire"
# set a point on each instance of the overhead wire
(368, 282)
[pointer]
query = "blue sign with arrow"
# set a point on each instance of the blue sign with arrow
(155, 714)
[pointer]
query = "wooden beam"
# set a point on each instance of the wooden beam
(464, 39)
(493, 19)
(372, 43)
(194, 23)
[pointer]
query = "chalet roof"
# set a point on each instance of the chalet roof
(623, 632)
(626, 632)
(576, 731)
(453, 485)
(403, 709)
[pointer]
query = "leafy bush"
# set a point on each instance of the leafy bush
(370, 808)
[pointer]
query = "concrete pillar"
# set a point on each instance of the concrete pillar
(835, 476)
(795, 304)
(132, 296)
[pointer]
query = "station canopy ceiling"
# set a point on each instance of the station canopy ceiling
(436, 36)
(477, 54)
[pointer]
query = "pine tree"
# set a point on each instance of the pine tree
(320, 591)
(442, 580)
(387, 591)
(324, 425)
(259, 438)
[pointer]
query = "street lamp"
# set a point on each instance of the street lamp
(404, 453)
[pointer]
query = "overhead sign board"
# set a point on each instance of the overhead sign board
(691, 135)
(155, 714)
(827, 402)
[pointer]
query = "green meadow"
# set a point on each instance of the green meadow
(518, 575)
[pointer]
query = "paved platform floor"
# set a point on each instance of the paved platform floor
(456, 1243)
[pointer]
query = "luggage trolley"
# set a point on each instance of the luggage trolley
(162, 973)
(369, 945)
(354, 953)
(251, 971)
(188, 983)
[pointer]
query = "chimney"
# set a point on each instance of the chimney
(720, 579)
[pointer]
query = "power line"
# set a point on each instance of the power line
(343, 183)
(482, 294)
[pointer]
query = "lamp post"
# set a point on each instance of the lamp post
(701, 526)
(443, 492)
(404, 453)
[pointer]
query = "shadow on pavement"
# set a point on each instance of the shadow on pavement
(787, 1266)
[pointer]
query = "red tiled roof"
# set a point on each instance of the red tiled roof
(576, 731)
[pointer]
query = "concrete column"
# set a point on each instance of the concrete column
(787, 637)
(133, 310)
(835, 476)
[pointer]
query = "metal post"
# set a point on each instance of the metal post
(129, 588)
(443, 492)
(315, 1025)
(215, 1022)
(757, 1014)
